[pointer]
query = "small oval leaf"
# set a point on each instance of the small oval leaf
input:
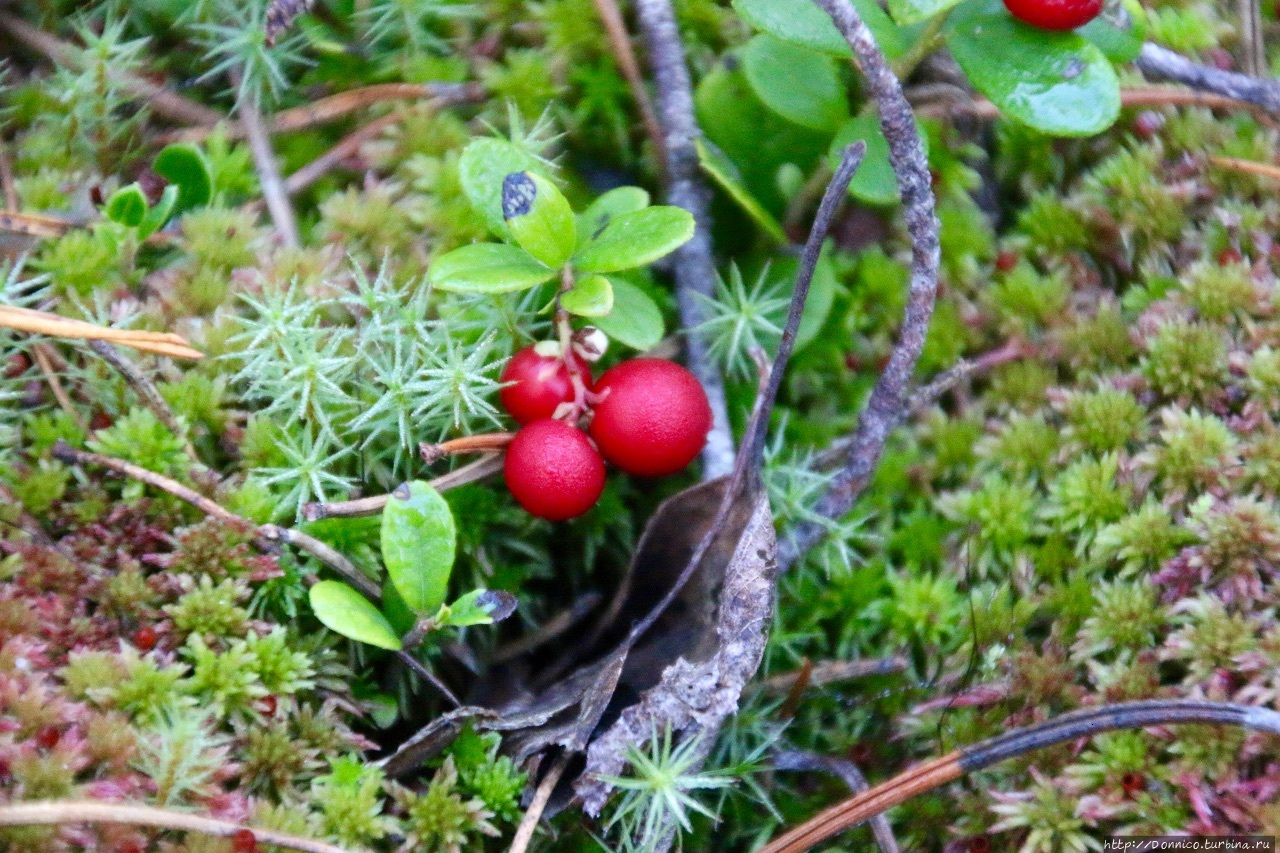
(539, 217)
(875, 182)
(635, 239)
(798, 83)
(481, 607)
(419, 542)
(127, 206)
(907, 12)
(1056, 82)
(590, 297)
(635, 320)
(729, 178)
(487, 268)
(345, 611)
(805, 24)
(483, 165)
(608, 207)
(185, 166)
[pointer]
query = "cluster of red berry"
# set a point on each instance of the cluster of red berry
(648, 417)
(1055, 14)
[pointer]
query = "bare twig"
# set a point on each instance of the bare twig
(830, 672)
(346, 147)
(554, 627)
(1236, 164)
(493, 442)
(1157, 61)
(847, 772)
(1130, 98)
(529, 822)
(35, 224)
(695, 270)
(338, 106)
(146, 391)
(1253, 53)
(6, 179)
(273, 188)
(67, 812)
(40, 353)
(1079, 724)
(162, 101)
(372, 505)
(884, 408)
(267, 533)
(44, 323)
(625, 56)
(430, 677)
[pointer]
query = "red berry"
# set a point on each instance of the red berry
(979, 844)
(48, 737)
(553, 470)
(1230, 255)
(145, 638)
(244, 841)
(1055, 14)
(268, 705)
(1132, 783)
(541, 383)
(1006, 260)
(653, 419)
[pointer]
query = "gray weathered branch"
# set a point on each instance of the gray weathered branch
(1159, 62)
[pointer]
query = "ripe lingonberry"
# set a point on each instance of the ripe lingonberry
(1006, 260)
(145, 638)
(653, 418)
(244, 841)
(540, 384)
(553, 470)
(1055, 14)
(48, 737)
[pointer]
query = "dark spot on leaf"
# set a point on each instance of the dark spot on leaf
(518, 194)
(604, 223)
(402, 492)
(1073, 70)
(499, 605)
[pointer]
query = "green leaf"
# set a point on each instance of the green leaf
(347, 612)
(803, 23)
(907, 12)
(608, 207)
(1119, 40)
(402, 619)
(487, 268)
(483, 165)
(875, 181)
(1055, 82)
(635, 320)
(419, 542)
(539, 217)
(590, 297)
(185, 166)
(635, 239)
(798, 83)
(726, 174)
(481, 607)
(158, 215)
(822, 294)
(127, 206)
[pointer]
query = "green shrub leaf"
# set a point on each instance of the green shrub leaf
(608, 207)
(487, 268)
(483, 165)
(1056, 82)
(127, 206)
(419, 542)
(347, 612)
(635, 239)
(158, 215)
(186, 167)
(590, 297)
(805, 24)
(539, 217)
(875, 181)
(635, 320)
(798, 83)
(726, 174)
(481, 607)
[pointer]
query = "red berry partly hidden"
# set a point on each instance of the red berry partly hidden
(540, 384)
(654, 417)
(553, 470)
(48, 737)
(244, 841)
(1055, 14)
(145, 638)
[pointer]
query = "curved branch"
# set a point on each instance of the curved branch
(889, 397)
(695, 270)
(61, 812)
(940, 771)
(1157, 61)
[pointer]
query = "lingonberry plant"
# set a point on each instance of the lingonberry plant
(354, 398)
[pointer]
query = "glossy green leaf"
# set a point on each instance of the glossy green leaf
(798, 83)
(1119, 35)
(875, 181)
(402, 619)
(487, 268)
(805, 24)
(159, 213)
(635, 320)
(481, 607)
(185, 166)
(483, 165)
(419, 543)
(635, 239)
(347, 612)
(1056, 82)
(590, 297)
(127, 206)
(907, 12)
(727, 176)
(609, 206)
(539, 217)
